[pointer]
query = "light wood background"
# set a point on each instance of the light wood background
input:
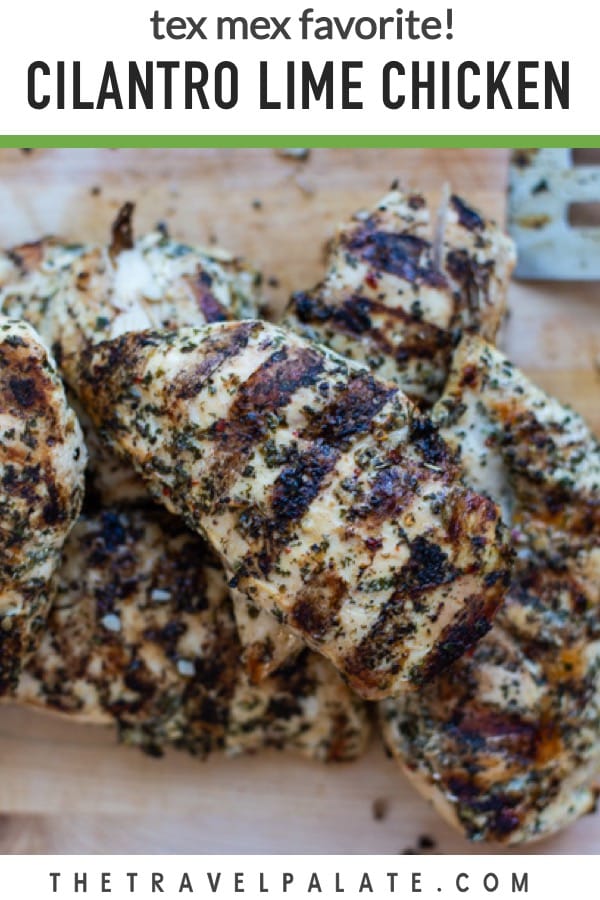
(65, 787)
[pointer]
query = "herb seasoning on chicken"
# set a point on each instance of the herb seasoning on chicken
(332, 503)
(42, 459)
(398, 290)
(507, 744)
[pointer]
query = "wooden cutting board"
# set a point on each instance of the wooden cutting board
(65, 787)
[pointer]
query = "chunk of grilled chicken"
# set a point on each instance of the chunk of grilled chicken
(141, 633)
(331, 502)
(507, 745)
(76, 293)
(42, 459)
(399, 290)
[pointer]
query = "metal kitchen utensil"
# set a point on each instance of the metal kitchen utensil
(543, 186)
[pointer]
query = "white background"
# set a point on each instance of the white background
(120, 31)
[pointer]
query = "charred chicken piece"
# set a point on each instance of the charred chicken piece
(399, 290)
(42, 459)
(77, 293)
(142, 634)
(331, 502)
(507, 744)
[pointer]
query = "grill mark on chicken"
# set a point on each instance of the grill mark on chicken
(392, 489)
(298, 484)
(356, 315)
(24, 395)
(352, 316)
(499, 808)
(405, 255)
(472, 278)
(23, 390)
(223, 348)
(425, 436)
(55, 510)
(420, 340)
(294, 489)
(426, 570)
(310, 308)
(398, 482)
(267, 391)
(122, 352)
(467, 217)
(477, 724)
(456, 638)
(351, 412)
(535, 590)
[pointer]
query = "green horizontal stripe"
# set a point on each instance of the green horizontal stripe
(298, 140)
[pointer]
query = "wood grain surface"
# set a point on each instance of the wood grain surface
(65, 787)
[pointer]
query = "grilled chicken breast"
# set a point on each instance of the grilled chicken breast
(76, 293)
(399, 290)
(507, 744)
(42, 459)
(141, 633)
(331, 502)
